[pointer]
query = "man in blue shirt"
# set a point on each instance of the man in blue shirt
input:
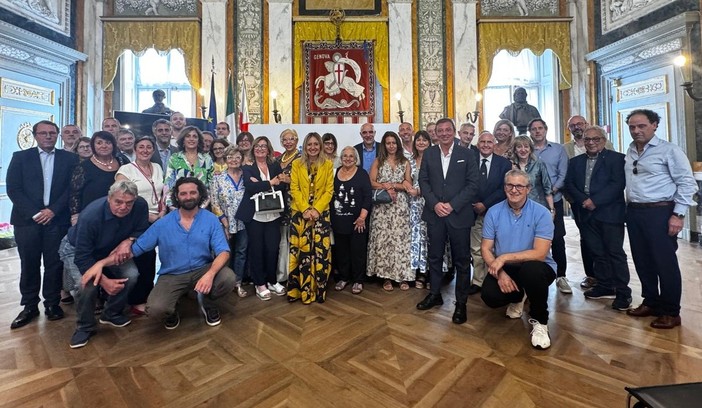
(555, 158)
(101, 239)
(659, 190)
(187, 239)
(368, 149)
(516, 244)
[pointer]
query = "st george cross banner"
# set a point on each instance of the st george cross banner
(339, 79)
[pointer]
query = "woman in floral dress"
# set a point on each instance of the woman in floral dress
(388, 245)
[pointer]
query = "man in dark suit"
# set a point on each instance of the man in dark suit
(490, 192)
(595, 182)
(38, 182)
(162, 131)
(448, 179)
(368, 149)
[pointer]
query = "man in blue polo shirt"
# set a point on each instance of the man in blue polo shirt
(516, 246)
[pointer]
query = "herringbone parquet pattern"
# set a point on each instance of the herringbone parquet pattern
(370, 350)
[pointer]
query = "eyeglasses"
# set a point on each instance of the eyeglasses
(635, 170)
(518, 187)
(235, 157)
(578, 124)
(261, 147)
(591, 139)
(329, 143)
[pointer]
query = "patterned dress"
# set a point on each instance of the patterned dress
(418, 243)
(388, 244)
(310, 241)
(179, 167)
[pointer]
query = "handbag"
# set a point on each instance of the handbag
(381, 196)
(268, 202)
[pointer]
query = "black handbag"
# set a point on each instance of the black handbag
(381, 196)
(268, 202)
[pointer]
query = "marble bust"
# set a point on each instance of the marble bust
(159, 107)
(520, 112)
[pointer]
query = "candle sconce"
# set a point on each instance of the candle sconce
(400, 112)
(276, 114)
(472, 117)
(686, 74)
(203, 108)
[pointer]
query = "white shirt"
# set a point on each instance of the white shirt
(488, 162)
(445, 159)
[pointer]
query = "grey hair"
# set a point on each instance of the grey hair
(355, 153)
(518, 173)
(123, 186)
(600, 132)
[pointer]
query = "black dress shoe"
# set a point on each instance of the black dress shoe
(24, 317)
(460, 316)
(54, 312)
(430, 301)
(474, 289)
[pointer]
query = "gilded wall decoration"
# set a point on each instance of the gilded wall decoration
(652, 86)
(24, 92)
(170, 8)
(249, 54)
(618, 13)
(432, 60)
(350, 7)
(505, 8)
(54, 14)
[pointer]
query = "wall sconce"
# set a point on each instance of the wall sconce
(276, 114)
(203, 108)
(686, 74)
(472, 117)
(400, 112)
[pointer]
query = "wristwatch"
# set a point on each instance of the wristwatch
(679, 215)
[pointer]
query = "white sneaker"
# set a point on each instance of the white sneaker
(515, 310)
(539, 335)
(278, 289)
(562, 285)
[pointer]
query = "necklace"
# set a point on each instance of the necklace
(290, 156)
(108, 165)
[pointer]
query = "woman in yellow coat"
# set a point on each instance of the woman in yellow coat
(311, 189)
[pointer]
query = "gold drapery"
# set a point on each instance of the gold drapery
(514, 37)
(350, 31)
(139, 36)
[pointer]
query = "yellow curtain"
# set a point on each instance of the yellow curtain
(514, 37)
(139, 36)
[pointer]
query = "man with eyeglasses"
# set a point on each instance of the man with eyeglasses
(659, 190)
(516, 245)
(69, 137)
(556, 160)
(38, 181)
(368, 148)
(575, 147)
(595, 183)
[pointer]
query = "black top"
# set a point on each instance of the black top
(90, 183)
(98, 231)
(349, 198)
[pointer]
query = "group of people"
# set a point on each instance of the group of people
(404, 209)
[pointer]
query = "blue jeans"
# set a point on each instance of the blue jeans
(86, 297)
(237, 261)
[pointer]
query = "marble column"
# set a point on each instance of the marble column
(578, 48)
(93, 97)
(280, 60)
(401, 63)
(214, 47)
(465, 57)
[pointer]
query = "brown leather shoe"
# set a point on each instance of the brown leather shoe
(666, 322)
(641, 311)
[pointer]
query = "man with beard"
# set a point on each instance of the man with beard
(520, 112)
(178, 122)
(186, 239)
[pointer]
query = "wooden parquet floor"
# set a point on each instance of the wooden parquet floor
(370, 350)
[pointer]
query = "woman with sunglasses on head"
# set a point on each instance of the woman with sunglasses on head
(523, 158)
(262, 229)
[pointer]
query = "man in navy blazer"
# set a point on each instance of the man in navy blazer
(38, 182)
(368, 149)
(448, 180)
(491, 191)
(595, 183)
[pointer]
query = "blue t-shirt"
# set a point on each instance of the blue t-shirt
(513, 233)
(182, 251)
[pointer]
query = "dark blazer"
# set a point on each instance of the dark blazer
(25, 186)
(492, 191)
(359, 149)
(459, 188)
(606, 186)
(247, 208)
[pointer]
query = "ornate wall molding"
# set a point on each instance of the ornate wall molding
(24, 92)
(432, 57)
(249, 54)
(618, 13)
(54, 14)
(641, 89)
